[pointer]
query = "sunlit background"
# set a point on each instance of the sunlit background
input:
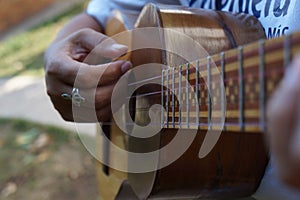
(41, 156)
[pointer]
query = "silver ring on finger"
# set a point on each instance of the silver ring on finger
(75, 97)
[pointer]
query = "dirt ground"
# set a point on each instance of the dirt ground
(12, 12)
(44, 163)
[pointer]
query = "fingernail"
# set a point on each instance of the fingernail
(126, 66)
(119, 47)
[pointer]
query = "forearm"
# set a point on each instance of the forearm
(80, 21)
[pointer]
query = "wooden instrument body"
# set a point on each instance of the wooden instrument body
(236, 164)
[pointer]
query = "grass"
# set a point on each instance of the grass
(30, 130)
(60, 169)
(56, 167)
(23, 54)
(18, 135)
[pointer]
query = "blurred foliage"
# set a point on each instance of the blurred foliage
(43, 162)
(18, 136)
(29, 131)
(22, 54)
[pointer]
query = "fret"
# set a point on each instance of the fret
(167, 99)
(208, 92)
(197, 94)
(233, 65)
(162, 99)
(241, 88)
(187, 83)
(287, 50)
(222, 87)
(180, 95)
(262, 85)
(173, 97)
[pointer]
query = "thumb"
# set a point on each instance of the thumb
(105, 52)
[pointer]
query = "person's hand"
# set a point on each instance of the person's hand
(283, 115)
(66, 64)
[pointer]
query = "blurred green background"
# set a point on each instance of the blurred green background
(22, 54)
(37, 161)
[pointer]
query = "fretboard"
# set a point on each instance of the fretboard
(232, 86)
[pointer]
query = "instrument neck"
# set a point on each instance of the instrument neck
(229, 89)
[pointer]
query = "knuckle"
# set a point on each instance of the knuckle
(102, 100)
(52, 67)
(114, 72)
(84, 81)
(82, 32)
(86, 32)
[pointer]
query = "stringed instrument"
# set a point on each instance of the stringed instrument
(235, 165)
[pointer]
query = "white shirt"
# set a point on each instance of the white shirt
(278, 17)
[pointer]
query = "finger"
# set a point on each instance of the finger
(291, 171)
(295, 90)
(93, 98)
(94, 76)
(60, 63)
(103, 96)
(283, 124)
(90, 110)
(97, 98)
(99, 45)
(86, 76)
(281, 115)
(70, 112)
(295, 139)
(105, 52)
